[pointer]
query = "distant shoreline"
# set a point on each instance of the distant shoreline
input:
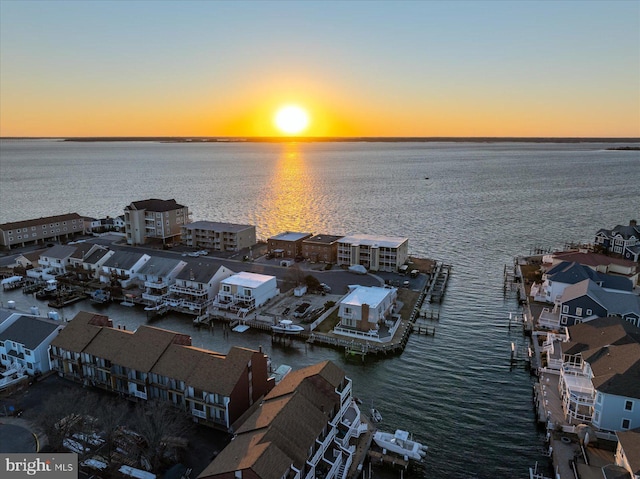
(441, 139)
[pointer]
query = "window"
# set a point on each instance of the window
(628, 405)
(33, 228)
(578, 311)
(589, 312)
(565, 309)
(626, 423)
(29, 365)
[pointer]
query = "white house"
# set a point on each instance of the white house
(195, 289)
(25, 340)
(365, 307)
(94, 261)
(56, 259)
(158, 274)
(243, 292)
(123, 266)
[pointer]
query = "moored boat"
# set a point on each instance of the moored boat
(100, 296)
(400, 443)
(286, 326)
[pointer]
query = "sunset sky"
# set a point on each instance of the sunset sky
(419, 68)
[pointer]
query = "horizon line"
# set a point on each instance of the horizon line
(275, 139)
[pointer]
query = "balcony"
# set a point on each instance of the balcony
(186, 290)
(156, 284)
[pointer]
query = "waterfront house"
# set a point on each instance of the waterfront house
(25, 340)
(218, 236)
(321, 248)
(287, 244)
(119, 223)
(41, 230)
(243, 292)
(93, 262)
(622, 240)
(157, 275)
(196, 287)
(628, 452)
(91, 224)
(586, 300)
(122, 267)
(27, 260)
(600, 374)
(56, 259)
(567, 273)
(366, 308)
(307, 427)
(153, 363)
(376, 253)
(598, 262)
(154, 219)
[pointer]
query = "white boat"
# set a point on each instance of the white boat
(401, 444)
(286, 326)
(375, 415)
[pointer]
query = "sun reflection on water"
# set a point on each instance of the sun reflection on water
(287, 201)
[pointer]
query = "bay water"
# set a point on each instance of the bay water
(472, 205)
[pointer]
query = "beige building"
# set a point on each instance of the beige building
(218, 236)
(376, 253)
(50, 228)
(154, 219)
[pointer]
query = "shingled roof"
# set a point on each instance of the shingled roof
(280, 432)
(630, 442)
(79, 332)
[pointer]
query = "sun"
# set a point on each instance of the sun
(291, 119)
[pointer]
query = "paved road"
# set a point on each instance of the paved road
(15, 436)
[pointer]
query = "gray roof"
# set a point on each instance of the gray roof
(59, 252)
(213, 226)
(612, 301)
(200, 273)
(572, 273)
(630, 442)
(159, 267)
(30, 331)
(290, 236)
(123, 260)
(154, 204)
(96, 256)
(323, 239)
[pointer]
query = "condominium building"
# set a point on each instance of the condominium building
(376, 253)
(287, 244)
(307, 427)
(218, 236)
(152, 363)
(321, 248)
(154, 219)
(41, 230)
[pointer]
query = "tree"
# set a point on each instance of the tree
(156, 422)
(312, 282)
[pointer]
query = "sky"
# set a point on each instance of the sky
(510, 68)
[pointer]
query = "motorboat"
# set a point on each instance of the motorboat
(100, 296)
(375, 415)
(286, 326)
(400, 443)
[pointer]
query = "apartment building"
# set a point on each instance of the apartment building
(154, 219)
(307, 427)
(152, 363)
(321, 248)
(41, 230)
(218, 236)
(376, 253)
(287, 244)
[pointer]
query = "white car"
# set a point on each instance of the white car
(203, 252)
(194, 254)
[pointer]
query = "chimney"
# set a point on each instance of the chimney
(633, 223)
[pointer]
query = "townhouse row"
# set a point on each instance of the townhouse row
(157, 364)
